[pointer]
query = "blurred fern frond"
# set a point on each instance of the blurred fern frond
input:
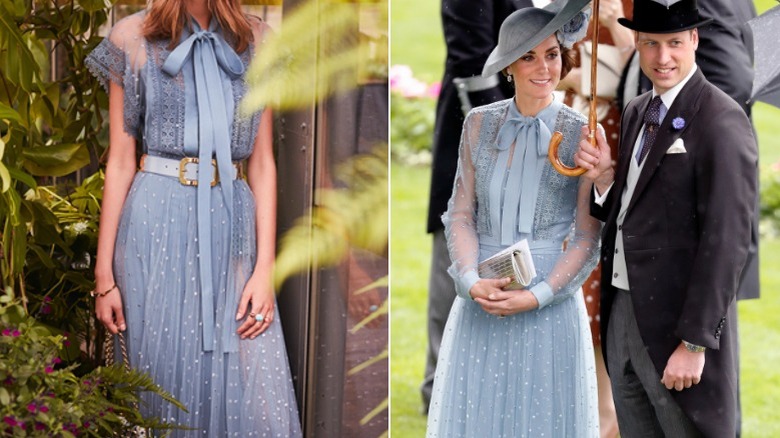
(318, 38)
(353, 216)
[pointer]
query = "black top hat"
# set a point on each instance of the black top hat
(654, 16)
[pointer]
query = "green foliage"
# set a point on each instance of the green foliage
(49, 127)
(770, 202)
(411, 130)
(40, 396)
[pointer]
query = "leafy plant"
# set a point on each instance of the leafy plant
(770, 201)
(40, 396)
(411, 131)
(49, 127)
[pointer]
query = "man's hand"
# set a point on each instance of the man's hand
(597, 160)
(683, 369)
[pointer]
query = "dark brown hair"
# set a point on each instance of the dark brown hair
(165, 19)
(567, 61)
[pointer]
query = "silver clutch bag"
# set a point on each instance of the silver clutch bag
(514, 262)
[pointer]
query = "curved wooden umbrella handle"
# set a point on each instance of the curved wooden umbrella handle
(557, 164)
(555, 141)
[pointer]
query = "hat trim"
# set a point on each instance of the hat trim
(625, 22)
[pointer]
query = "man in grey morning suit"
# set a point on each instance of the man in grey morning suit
(677, 210)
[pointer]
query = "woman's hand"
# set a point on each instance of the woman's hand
(108, 308)
(490, 294)
(486, 286)
(502, 303)
(258, 298)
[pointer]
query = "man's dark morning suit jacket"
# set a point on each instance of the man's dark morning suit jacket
(686, 236)
(470, 33)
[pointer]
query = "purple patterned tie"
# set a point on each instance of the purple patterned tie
(652, 117)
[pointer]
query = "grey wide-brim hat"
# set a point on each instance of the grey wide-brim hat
(526, 28)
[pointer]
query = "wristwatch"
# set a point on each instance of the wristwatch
(693, 348)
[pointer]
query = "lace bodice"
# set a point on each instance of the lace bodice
(506, 190)
(155, 102)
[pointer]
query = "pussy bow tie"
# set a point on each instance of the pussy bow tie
(210, 54)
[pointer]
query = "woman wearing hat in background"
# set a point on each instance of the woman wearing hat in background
(520, 362)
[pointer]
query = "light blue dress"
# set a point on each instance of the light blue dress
(531, 374)
(180, 308)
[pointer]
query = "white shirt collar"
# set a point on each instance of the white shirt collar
(668, 97)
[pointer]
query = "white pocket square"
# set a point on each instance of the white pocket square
(677, 147)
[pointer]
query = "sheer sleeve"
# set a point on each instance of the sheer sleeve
(118, 59)
(460, 218)
(580, 258)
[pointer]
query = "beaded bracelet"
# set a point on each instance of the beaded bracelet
(94, 293)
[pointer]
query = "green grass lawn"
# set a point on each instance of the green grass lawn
(409, 264)
(417, 41)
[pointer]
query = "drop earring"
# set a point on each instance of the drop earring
(509, 78)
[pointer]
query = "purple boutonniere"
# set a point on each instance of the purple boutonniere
(678, 123)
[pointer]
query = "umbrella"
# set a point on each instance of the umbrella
(766, 83)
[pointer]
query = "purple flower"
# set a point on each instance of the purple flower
(11, 421)
(9, 332)
(46, 309)
(678, 123)
(49, 369)
(40, 426)
(32, 408)
(43, 408)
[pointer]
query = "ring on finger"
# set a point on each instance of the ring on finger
(259, 317)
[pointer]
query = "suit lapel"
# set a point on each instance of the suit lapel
(685, 106)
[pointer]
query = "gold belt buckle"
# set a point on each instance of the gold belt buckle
(194, 182)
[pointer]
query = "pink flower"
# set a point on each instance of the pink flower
(43, 408)
(57, 360)
(433, 90)
(11, 421)
(32, 408)
(49, 369)
(40, 426)
(14, 333)
(402, 81)
(399, 73)
(46, 309)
